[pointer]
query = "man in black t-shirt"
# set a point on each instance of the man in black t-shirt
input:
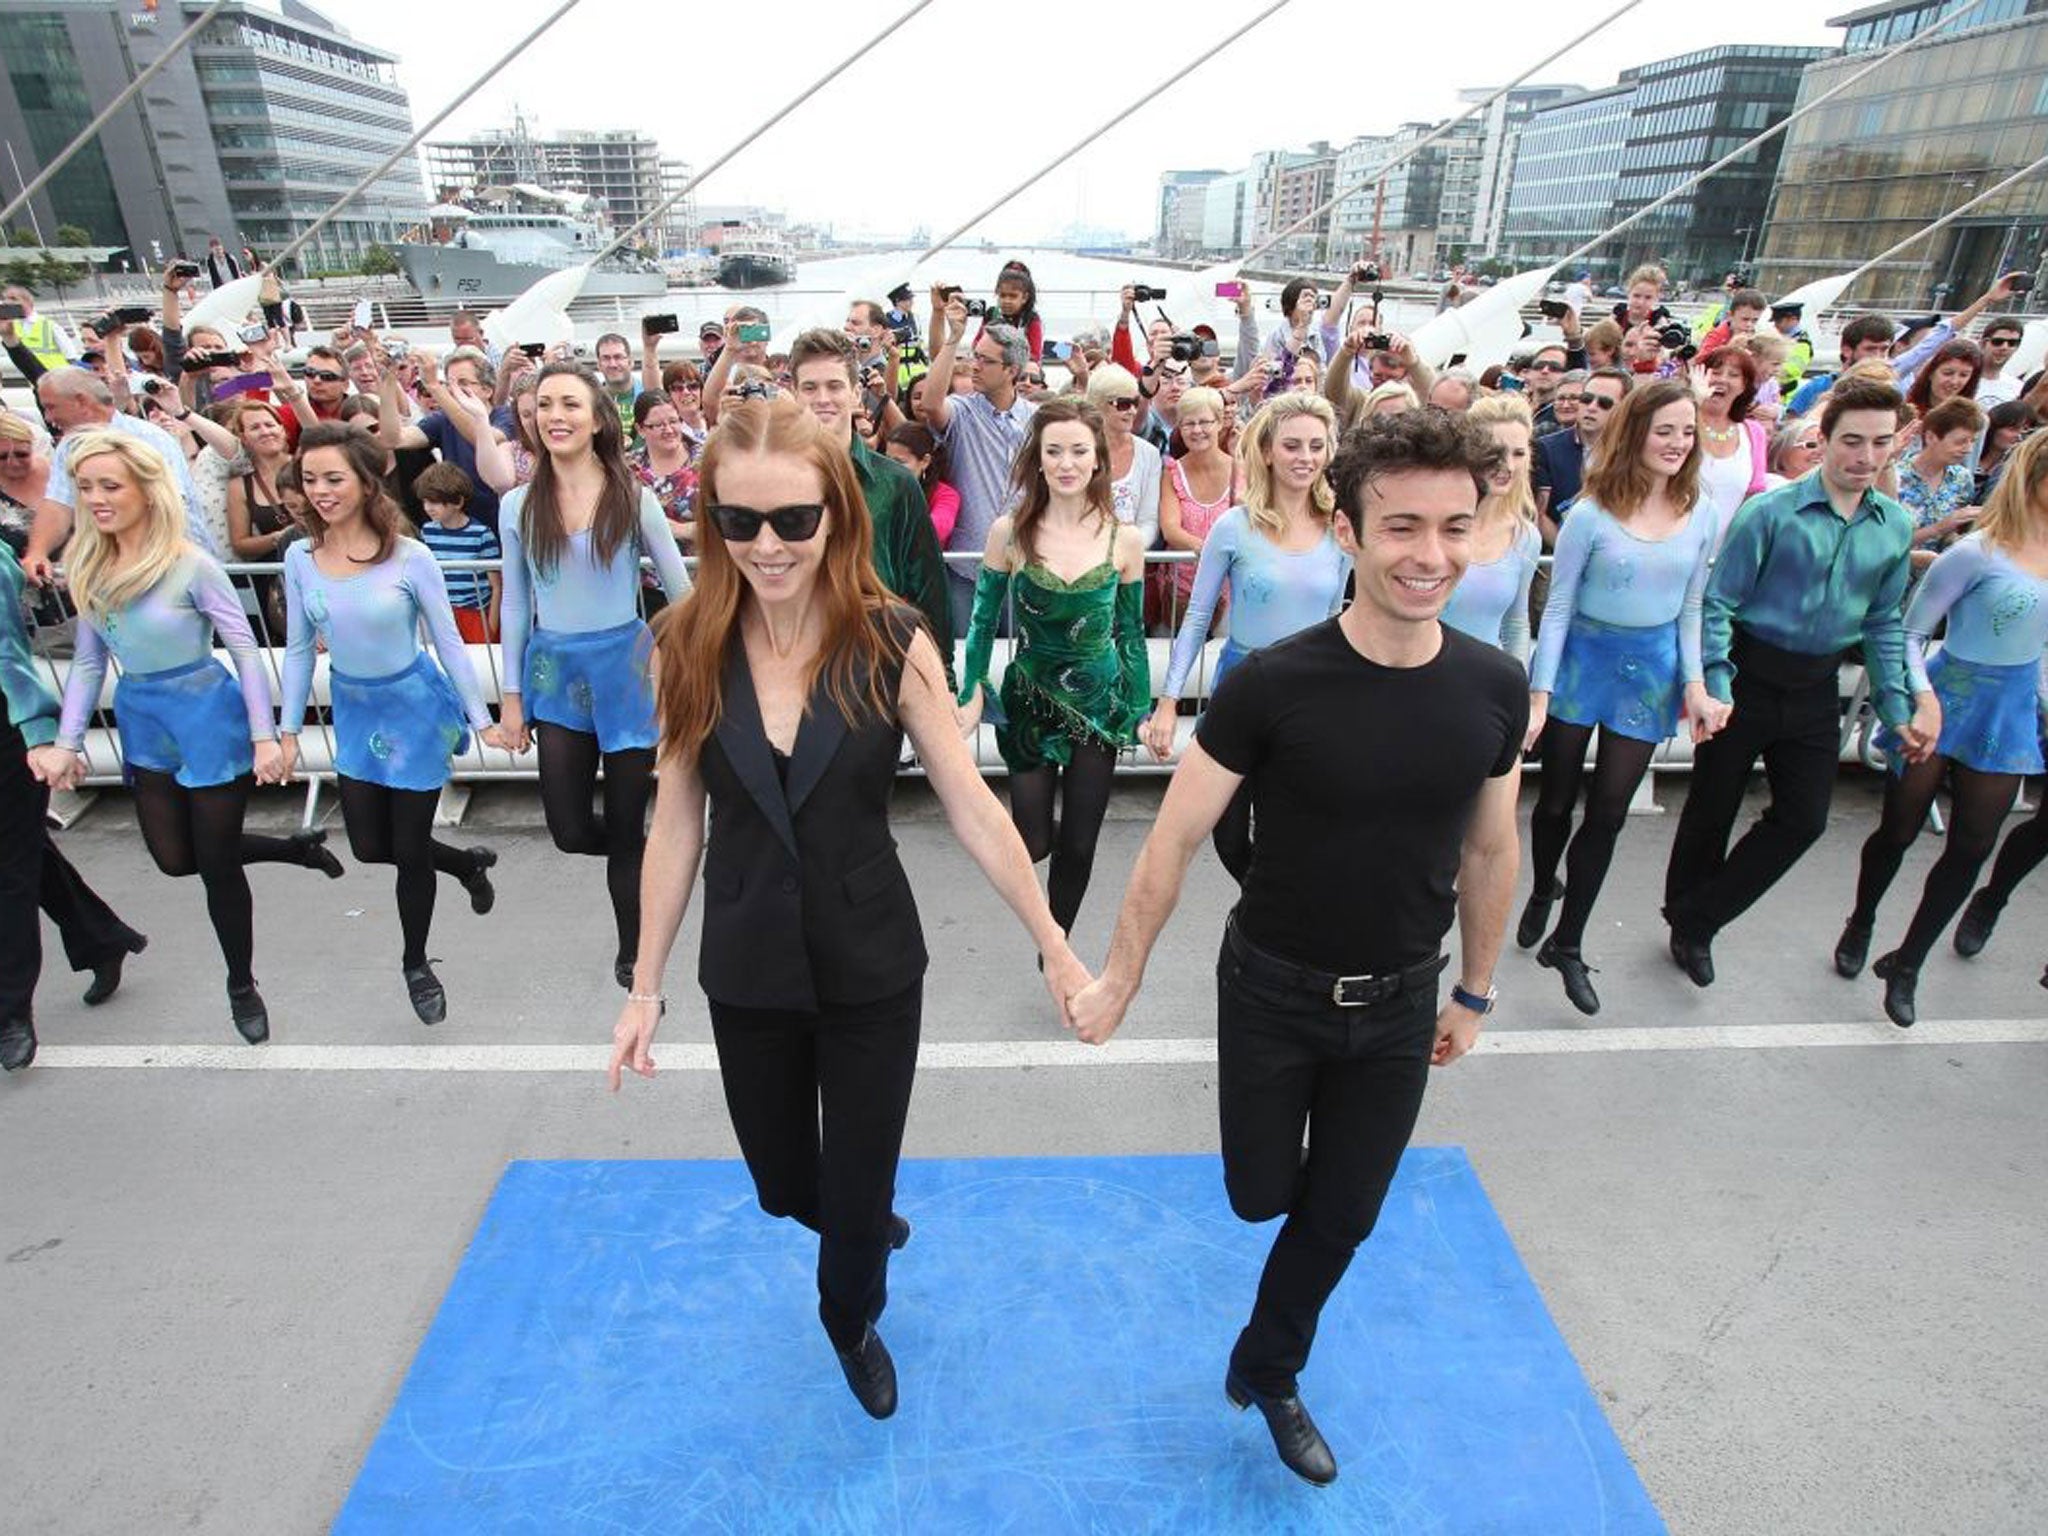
(1383, 751)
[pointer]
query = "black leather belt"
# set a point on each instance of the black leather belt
(1343, 991)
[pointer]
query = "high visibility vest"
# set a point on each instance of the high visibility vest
(40, 337)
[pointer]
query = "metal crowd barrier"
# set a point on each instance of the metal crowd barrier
(51, 645)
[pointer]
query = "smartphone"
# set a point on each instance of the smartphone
(534, 349)
(2022, 283)
(241, 384)
(12, 312)
(359, 317)
(131, 314)
(253, 335)
(1058, 351)
(1230, 290)
(1553, 309)
(757, 330)
(396, 348)
(660, 325)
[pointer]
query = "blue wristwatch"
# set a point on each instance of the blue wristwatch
(1472, 1001)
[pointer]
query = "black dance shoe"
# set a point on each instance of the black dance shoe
(1302, 1448)
(482, 894)
(252, 1019)
(1979, 918)
(106, 974)
(871, 1374)
(899, 1231)
(1852, 949)
(429, 1001)
(17, 1043)
(312, 846)
(1536, 916)
(1571, 966)
(1900, 980)
(1695, 957)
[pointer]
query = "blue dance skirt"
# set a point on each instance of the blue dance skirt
(189, 722)
(1622, 678)
(596, 683)
(398, 730)
(1990, 720)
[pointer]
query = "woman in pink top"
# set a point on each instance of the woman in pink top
(1200, 485)
(913, 446)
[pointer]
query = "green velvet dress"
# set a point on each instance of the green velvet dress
(1080, 673)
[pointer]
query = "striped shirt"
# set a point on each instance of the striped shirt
(474, 540)
(981, 442)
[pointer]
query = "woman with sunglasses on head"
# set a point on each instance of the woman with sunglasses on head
(364, 591)
(1491, 600)
(1990, 590)
(1079, 681)
(575, 647)
(788, 681)
(1618, 653)
(1795, 450)
(1135, 466)
(1278, 558)
(193, 743)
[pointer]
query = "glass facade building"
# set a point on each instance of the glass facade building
(1567, 168)
(1916, 140)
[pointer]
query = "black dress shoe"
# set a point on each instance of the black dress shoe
(106, 975)
(312, 846)
(1571, 966)
(871, 1374)
(1536, 916)
(1695, 957)
(252, 1019)
(1979, 918)
(1900, 981)
(1302, 1448)
(899, 1231)
(429, 1001)
(17, 1043)
(1852, 949)
(482, 894)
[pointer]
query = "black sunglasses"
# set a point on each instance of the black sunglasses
(324, 376)
(792, 525)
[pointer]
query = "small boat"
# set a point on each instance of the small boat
(499, 243)
(752, 257)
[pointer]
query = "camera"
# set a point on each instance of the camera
(1141, 294)
(2021, 282)
(1378, 341)
(183, 270)
(396, 348)
(660, 325)
(1185, 349)
(202, 360)
(1553, 309)
(1673, 336)
(534, 349)
(12, 312)
(978, 309)
(1365, 272)
(253, 335)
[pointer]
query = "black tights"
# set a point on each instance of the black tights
(199, 832)
(1083, 788)
(1978, 803)
(1618, 769)
(396, 826)
(568, 777)
(2021, 854)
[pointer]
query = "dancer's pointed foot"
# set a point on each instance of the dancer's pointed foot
(429, 1000)
(871, 1374)
(482, 894)
(1302, 1448)
(252, 1019)
(106, 973)
(1536, 915)
(1852, 949)
(1571, 967)
(312, 845)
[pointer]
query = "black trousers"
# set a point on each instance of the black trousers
(818, 1102)
(34, 873)
(1317, 1102)
(1796, 729)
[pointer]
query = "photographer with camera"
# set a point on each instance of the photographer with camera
(1298, 332)
(745, 340)
(1389, 358)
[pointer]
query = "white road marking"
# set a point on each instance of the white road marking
(997, 1055)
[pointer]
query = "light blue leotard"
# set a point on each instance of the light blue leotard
(579, 597)
(370, 621)
(1603, 572)
(171, 625)
(1274, 592)
(1997, 613)
(1491, 601)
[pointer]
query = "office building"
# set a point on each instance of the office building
(1226, 214)
(623, 170)
(1914, 141)
(1301, 187)
(1183, 204)
(249, 134)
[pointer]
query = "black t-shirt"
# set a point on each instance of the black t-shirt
(1363, 779)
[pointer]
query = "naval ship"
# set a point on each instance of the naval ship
(508, 238)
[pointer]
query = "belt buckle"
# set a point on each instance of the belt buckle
(1338, 987)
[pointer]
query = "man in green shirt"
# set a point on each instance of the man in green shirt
(907, 556)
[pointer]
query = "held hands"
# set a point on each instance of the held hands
(513, 734)
(1094, 1012)
(633, 1041)
(1706, 713)
(1923, 731)
(494, 736)
(1065, 979)
(58, 767)
(1158, 729)
(273, 764)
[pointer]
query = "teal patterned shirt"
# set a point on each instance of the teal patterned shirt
(31, 703)
(1800, 577)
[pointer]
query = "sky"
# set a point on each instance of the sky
(966, 100)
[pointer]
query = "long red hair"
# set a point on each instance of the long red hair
(692, 638)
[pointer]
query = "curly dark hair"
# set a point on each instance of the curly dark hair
(1425, 439)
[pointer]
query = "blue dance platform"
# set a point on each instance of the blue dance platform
(632, 1346)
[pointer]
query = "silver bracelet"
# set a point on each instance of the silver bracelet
(660, 999)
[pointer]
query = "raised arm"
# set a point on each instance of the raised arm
(949, 324)
(393, 430)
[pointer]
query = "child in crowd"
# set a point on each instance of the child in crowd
(452, 534)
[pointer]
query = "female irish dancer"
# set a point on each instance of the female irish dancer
(787, 683)
(1080, 680)
(1280, 562)
(1619, 648)
(1491, 600)
(1991, 588)
(364, 592)
(192, 743)
(575, 646)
